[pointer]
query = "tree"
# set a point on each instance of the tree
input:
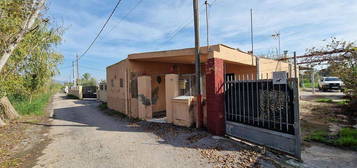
(27, 13)
(27, 47)
(88, 80)
(341, 59)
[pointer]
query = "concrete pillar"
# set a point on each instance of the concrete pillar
(171, 91)
(144, 97)
(215, 98)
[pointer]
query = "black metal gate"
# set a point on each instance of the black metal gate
(264, 113)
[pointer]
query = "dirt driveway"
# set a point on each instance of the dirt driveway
(84, 136)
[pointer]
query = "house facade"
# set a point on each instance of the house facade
(146, 85)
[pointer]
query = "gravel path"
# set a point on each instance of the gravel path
(83, 136)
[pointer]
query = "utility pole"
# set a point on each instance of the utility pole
(74, 78)
(207, 25)
(197, 62)
(252, 41)
(77, 59)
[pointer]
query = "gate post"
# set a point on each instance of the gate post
(215, 96)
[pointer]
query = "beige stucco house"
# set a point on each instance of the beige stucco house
(146, 85)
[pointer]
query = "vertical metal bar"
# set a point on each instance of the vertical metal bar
(280, 106)
(296, 111)
(235, 100)
(262, 87)
(248, 109)
(257, 99)
(225, 100)
(286, 107)
(268, 105)
(252, 96)
(297, 119)
(243, 98)
(273, 106)
(239, 100)
(232, 97)
(229, 98)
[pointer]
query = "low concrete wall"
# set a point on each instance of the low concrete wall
(76, 91)
(183, 111)
(102, 95)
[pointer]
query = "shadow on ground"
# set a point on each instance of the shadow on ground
(222, 151)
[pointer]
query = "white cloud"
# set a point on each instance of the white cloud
(302, 23)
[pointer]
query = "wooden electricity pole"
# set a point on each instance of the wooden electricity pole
(77, 59)
(197, 62)
(74, 76)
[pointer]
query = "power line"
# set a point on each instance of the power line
(90, 68)
(101, 30)
(182, 26)
(126, 15)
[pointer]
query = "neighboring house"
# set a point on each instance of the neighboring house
(145, 84)
(102, 92)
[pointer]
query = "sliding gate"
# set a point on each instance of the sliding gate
(264, 112)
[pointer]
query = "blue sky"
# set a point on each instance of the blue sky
(301, 23)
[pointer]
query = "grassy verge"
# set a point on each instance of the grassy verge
(37, 105)
(347, 137)
(328, 100)
(324, 100)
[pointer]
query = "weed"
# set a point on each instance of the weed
(103, 106)
(324, 100)
(343, 102)
(36, 106)
(347, 137)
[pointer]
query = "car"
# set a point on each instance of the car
(330, 83)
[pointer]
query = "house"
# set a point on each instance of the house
(150, 84)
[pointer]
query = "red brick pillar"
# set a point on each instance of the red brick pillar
(214, 94)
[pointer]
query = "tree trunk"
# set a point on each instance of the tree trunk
(7, 109)
(27, 25)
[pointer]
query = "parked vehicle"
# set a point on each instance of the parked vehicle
(330, 83)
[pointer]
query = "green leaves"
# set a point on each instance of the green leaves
(34, 61)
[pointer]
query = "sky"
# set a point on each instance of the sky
(152, 25)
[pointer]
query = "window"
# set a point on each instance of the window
(112, 81)
(121, 82)
(101, 87)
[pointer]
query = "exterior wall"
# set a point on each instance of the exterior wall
(268, 66)
(240, 70)
(117, 87)
(76, 91)
(102, 92)
(158, 68)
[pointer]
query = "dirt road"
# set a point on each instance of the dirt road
(83, 136)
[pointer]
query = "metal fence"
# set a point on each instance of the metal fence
(261, 111)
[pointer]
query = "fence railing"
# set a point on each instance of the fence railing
(261, 103)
